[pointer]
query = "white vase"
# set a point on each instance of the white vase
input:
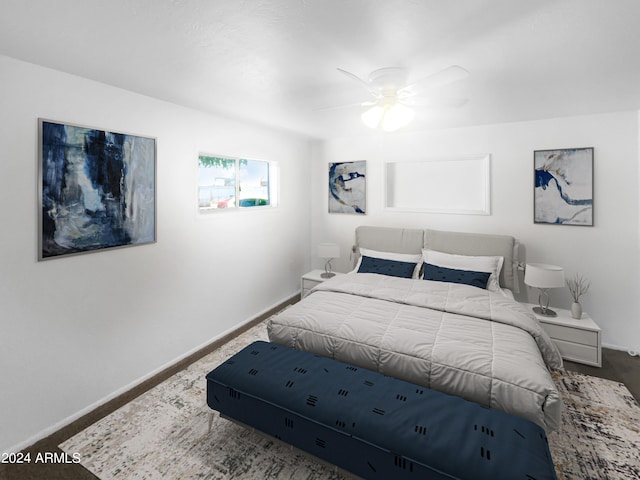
(576, 310)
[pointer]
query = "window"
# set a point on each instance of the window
(226, 183)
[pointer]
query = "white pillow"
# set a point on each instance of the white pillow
(492, 265)
(398, 257)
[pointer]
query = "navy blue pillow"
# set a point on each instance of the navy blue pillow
(382, 266)
(467, 277)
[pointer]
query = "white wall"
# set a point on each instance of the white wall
(608, 253)
(75, 330)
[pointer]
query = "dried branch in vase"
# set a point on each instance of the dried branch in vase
(578, 286)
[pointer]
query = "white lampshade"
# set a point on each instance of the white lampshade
(389, 117)
(328, 250)
(542, 275)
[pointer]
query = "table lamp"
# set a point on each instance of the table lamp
(544, 277)
(329, 251)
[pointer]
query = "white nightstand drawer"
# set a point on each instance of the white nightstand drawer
(573, 335)
(310, 280)
(578, 353)
(309, 284)
(577, 340)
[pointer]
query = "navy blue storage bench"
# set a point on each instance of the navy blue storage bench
(375, 426)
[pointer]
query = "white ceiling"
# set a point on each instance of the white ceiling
(274, 61)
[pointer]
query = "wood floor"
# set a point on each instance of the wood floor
(616, 365)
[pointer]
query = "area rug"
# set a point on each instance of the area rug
(163, 434)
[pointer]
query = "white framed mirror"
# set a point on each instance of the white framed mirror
(460, 185)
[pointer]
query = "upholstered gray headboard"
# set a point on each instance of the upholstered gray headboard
(385, 239)
(408, 240)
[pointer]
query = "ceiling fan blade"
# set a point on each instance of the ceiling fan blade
(434, 102)
(348, 105)
(449, 75)
(361, 81)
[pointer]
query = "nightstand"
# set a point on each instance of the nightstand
(310, 280)
(579, 340)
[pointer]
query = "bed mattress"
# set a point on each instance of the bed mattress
(457, 339)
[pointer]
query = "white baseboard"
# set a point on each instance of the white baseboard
(630, 351)
(72, 418)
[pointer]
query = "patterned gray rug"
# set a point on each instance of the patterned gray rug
(163, 434)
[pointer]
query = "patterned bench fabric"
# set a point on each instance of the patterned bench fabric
(375, 426)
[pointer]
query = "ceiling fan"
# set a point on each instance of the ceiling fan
(394, 98)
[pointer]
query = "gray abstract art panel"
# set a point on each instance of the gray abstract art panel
(347, 187)
(563, 190)
(97, 189)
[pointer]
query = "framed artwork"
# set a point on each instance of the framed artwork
(347, 187)
(563, 186)
(97, 189)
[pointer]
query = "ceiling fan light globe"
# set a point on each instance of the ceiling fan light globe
(389, 117)
(396, 117)
(372, 117)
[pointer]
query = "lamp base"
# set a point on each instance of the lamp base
(547, 312)
(327, 275)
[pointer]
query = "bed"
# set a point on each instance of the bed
(435, 309)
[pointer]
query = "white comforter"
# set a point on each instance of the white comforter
(454, 338)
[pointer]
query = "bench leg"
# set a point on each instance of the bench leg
(211, 414)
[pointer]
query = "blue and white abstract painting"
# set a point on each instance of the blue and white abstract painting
(97, 189)
(347, 187)
(563, 193)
